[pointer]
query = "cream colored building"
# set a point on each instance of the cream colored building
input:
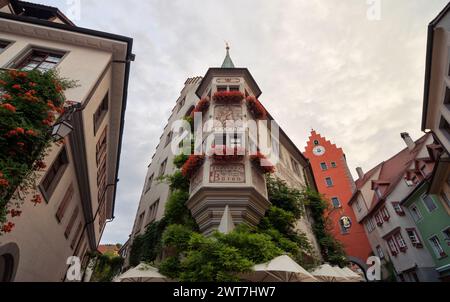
(237, 185)
(79, 184)
(436, 105)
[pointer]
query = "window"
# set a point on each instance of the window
(162, 168)
(64, 203)
(358, 206)
(380, 252)
(182, 102)
(333, 164)
(39, 60)
(415, 213)
(295, 166)
(236, 140)
(446, 199)
(378, 192)
(152, 212)
(234, 88)
(139, 223)
(77, 234)
(71, 222)
(370, 226)
(336, 202)
(329, 181)
(423, 170)
(3, 46)
(444, 126)
(398, 208)
(221, 88)
(446, 233)
(392, 246)
(379, 219)
(409, 182)
(169, 138)
(400, 242)
(101, 146)
(100, 113)
(414, 237)
(54, 174)
(149, 183)
(385, 214)
(437, 248)
(323, 166)
(429, 203)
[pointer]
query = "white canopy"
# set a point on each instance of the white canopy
(280, 269)
(328, 273)
(142, 273)
(352, 275)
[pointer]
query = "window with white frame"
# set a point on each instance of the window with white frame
(437, 247)
(162, 168)
(329, 181)
(429, 203)
(392, 246)
(385, 214)
(400, 241)
(380, 252)
(415, 213)
(446, 199)
(378, 192)
(323, 166)
(370, 226)
(398, 208)
(149, 183)
(414, 237)
(446, 233)
(333, 164)
(152, 212)
(378, 219)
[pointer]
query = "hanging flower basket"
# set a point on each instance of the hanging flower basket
(202, 106)
(192, 165)
(261, 161)
(256, 109)
(226, 154)
(228, 97)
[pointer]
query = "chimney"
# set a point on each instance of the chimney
(360, 172)
(408, 141)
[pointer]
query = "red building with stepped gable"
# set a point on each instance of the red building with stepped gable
(334, 180)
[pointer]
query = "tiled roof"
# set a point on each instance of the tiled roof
(392, 171)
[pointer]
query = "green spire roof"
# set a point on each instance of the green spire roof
(228, 63)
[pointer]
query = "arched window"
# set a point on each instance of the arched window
(6, 267)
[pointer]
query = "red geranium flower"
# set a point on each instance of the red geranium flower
(12, 133)
(37, 199)
(191, 166)
(32, 84)
(31, 132)
(7, 228)
(255, 108)
(40, 165)
(228, 96)
(20, 130)
(258, 161)
(8, 107)
(16, 86)
(4, 182)
(7, 97)
(15, 213)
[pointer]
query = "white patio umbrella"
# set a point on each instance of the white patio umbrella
(349, 274)
(327, 273)
(280, 269)
(142, 273)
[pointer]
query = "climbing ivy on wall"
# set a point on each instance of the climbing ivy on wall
(175, 245)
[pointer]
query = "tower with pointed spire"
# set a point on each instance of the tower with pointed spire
(224, 192)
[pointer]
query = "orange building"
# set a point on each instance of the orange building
(335, 182)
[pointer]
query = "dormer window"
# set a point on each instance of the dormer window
(378, 192)
(221, 88)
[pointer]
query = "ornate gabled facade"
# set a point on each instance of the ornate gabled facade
(378, 205)
(336, 183)
(225, 191)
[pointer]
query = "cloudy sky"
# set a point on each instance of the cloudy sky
(321, 64)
